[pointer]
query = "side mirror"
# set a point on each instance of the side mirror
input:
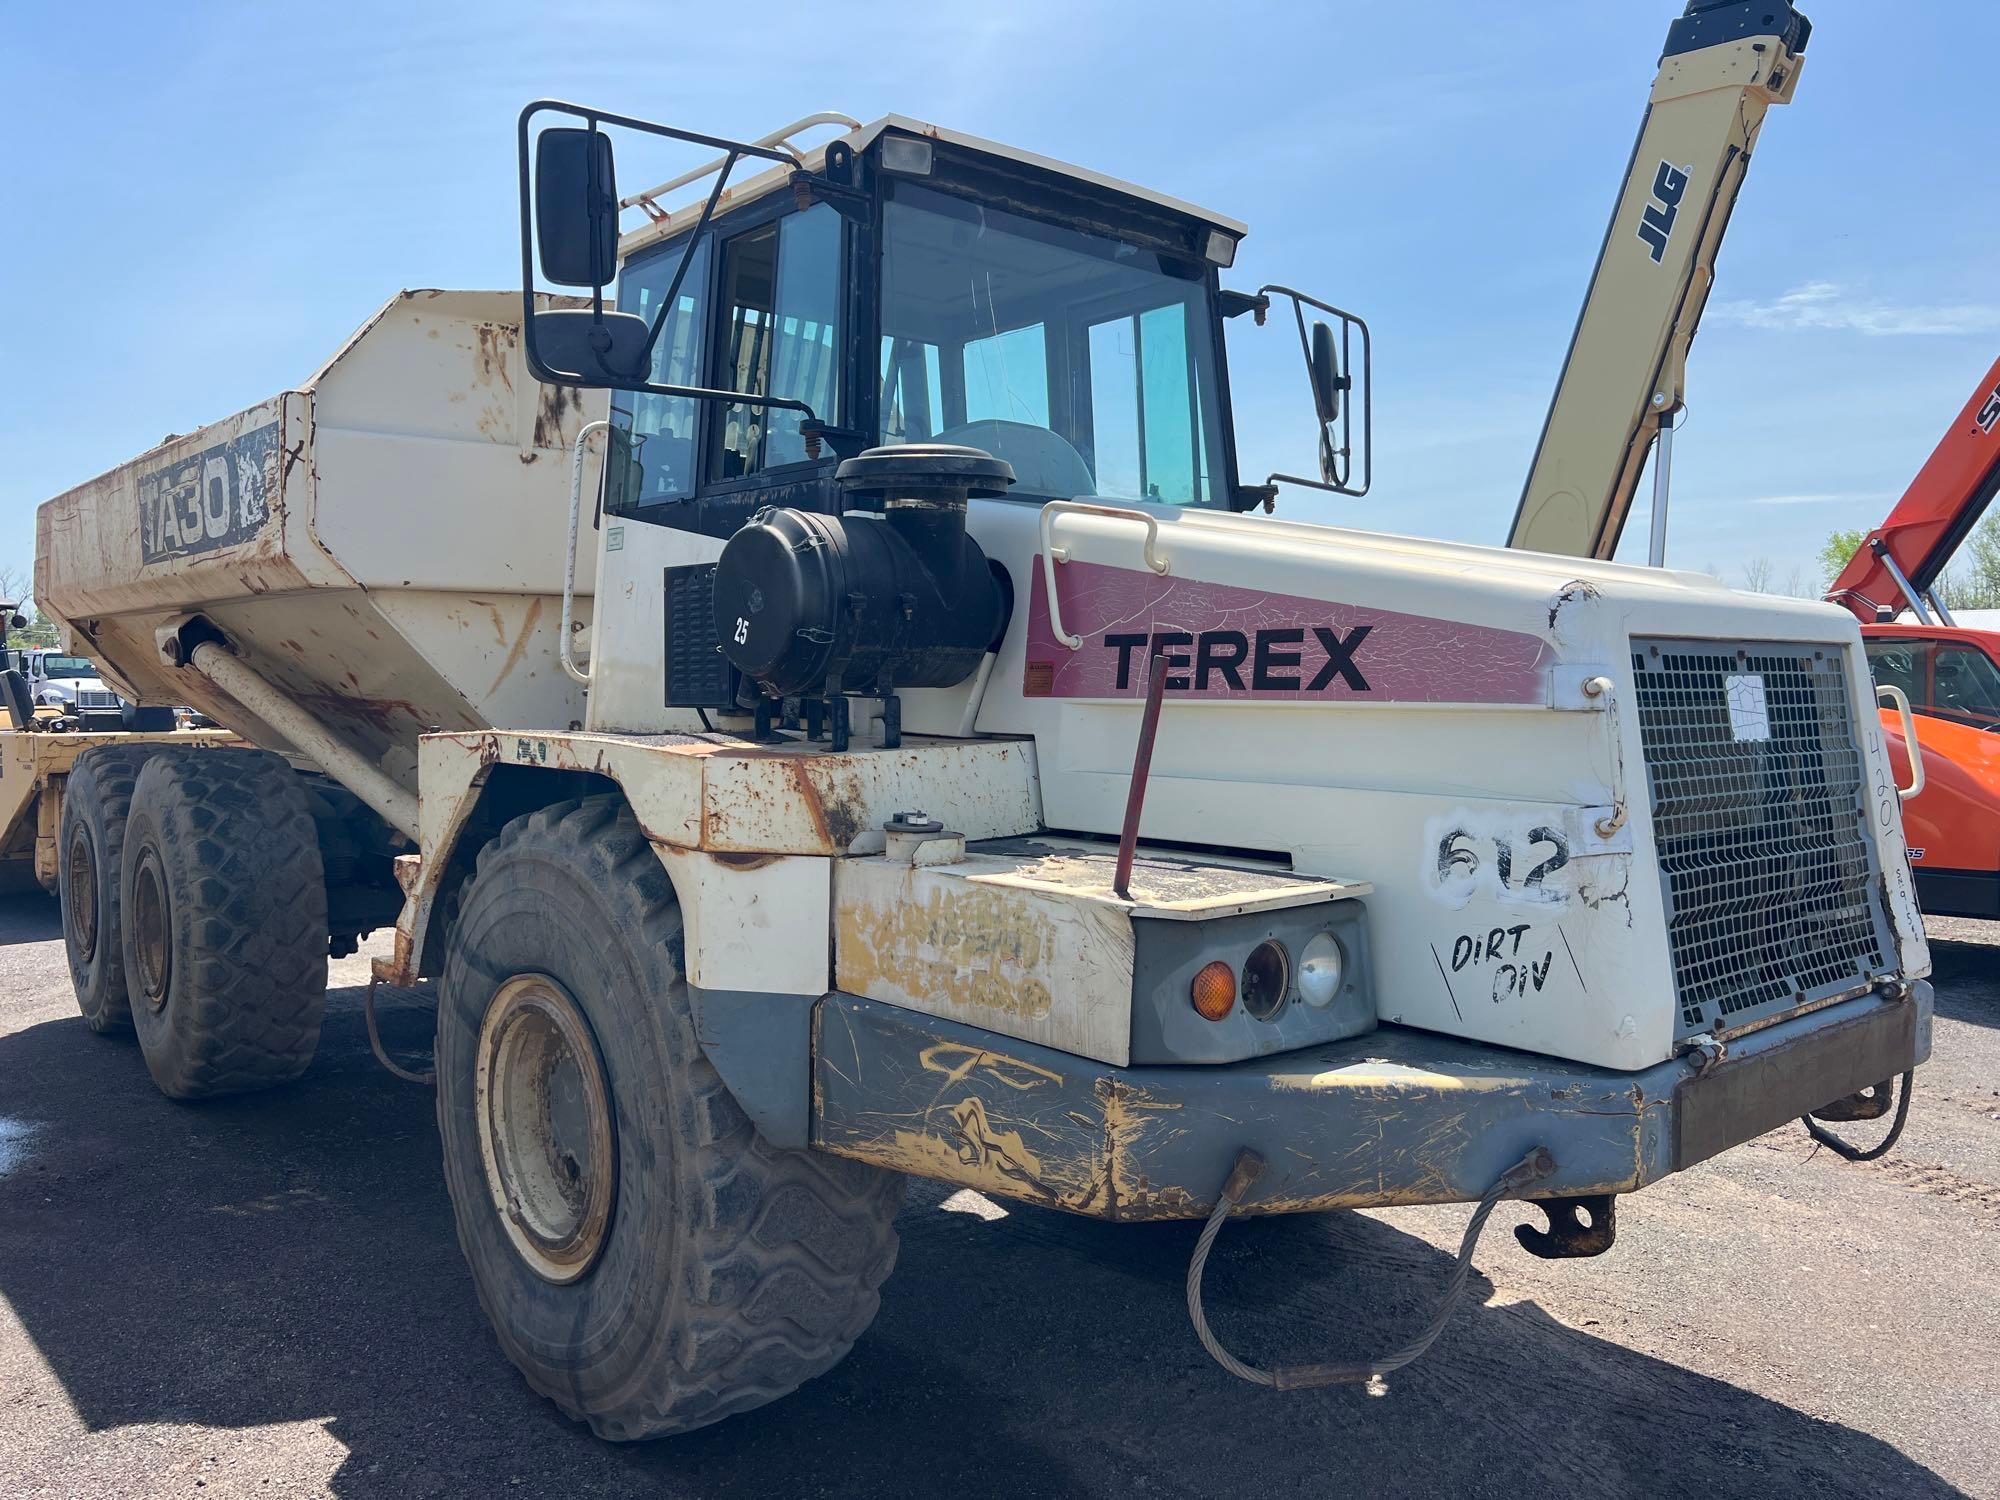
(576, 207)
(19, 702)
(1343, 390)
(593, 349)
(1325, 366)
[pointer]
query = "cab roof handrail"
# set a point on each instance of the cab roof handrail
(649, 202)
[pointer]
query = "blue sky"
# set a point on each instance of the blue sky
(208, 198)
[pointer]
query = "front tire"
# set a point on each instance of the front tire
(648, 1261)
(224, 922)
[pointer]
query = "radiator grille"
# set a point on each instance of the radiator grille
(1760, 814)
(95, 698)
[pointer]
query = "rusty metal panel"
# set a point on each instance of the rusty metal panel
(804, 800)
(1391, 1118)
(734, 796)
(1051, 966)
(384, 544)
(1395, 1117)
(1027, 938)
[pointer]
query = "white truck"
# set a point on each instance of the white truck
(930, 766)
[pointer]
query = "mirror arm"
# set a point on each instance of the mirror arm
(672, 297)
(1235, 304)
(734, 150)
(1335, 477)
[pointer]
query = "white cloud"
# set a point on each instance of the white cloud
(1829, 305)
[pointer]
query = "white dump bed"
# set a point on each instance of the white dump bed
(384, 544)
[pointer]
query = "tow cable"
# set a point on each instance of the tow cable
(1846, 1152)
(1530, 1169)
(382, 1056)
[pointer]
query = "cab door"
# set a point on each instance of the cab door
(1953, 825)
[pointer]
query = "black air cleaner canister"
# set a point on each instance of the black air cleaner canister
(891, 595)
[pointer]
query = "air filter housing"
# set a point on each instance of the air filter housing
(866, 604)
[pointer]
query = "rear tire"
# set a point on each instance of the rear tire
(96, 802)
(648, 1261)
(225, 922)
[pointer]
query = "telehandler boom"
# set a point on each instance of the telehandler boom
(1943, 675)
(924, 766)
(1622, 384)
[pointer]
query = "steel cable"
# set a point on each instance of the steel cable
(1846, 1152)
(1249, 1167)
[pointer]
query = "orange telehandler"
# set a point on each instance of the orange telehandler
(1949, 673)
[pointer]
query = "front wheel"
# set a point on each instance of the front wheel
(648, 1261)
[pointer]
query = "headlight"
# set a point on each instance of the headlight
(1267, 980)
(1322, 966)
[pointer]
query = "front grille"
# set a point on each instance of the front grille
(94, 698)
(1760, 815)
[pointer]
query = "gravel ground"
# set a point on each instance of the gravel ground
(264, 1296)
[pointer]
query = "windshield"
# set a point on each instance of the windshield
(67, 666)
(1086, 363)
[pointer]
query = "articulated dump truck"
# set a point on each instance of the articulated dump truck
(929, 764)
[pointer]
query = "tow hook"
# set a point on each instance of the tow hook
(1578, 1227)
(1870, 1103)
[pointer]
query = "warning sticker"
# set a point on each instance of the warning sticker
(1749, 717)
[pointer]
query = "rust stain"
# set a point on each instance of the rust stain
(495, 348)
(809, 795)
(386, 716)
(520, 646)
(964, 946)
(744, 861)
(955, 1061)
(399, 968)
(553, 408)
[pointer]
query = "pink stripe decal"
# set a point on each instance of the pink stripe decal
(1227, 642)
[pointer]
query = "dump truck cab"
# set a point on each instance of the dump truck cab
(928, 759)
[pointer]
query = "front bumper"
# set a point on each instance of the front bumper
(1393, 1117)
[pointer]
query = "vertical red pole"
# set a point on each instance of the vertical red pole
(1142, 767)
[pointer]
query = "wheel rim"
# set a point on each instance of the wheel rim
(152, 929)
(80, 881)
(545, 1127)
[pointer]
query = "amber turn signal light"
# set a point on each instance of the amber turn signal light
(1214, 991)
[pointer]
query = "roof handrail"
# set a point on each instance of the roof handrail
(781, 139)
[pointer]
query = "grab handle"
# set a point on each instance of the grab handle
(1901, 701)
(1052, 554)
(563, 654)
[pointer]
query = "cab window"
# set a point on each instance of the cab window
(912, 391)
(1902, 664)
(1965, 685)
(781, 288)
(1085, 362)
(653, 437)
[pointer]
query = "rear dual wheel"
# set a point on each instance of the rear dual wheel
(194, 911)
(224, 922)
(91, 843)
